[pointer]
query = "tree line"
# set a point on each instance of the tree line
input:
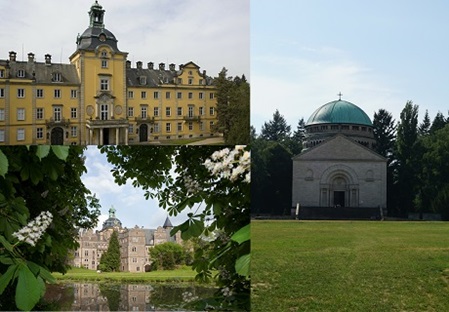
(417, 154)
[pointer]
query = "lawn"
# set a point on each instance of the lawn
(350, 266)
(183, 274)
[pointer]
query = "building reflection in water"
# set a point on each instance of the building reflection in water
(133, 297)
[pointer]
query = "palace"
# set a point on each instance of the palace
(99, 98)
(339, 175)
(135, 244)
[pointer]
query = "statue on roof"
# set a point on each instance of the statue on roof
(112, 212)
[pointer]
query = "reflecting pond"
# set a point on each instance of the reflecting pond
(122, 297)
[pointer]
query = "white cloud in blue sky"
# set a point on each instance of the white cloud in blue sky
(379, 54)
(212, 33)
(132, 208)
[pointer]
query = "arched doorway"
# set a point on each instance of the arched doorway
(57, 136)
(339, 187)
(143, 133)
(147, 268)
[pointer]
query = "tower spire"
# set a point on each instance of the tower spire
(96, 14)
(339, 96)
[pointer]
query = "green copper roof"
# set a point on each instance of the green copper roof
(339, 112)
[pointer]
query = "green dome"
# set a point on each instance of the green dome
(339, 112)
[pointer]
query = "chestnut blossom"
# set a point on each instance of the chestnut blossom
(33, 231)
(230, 164)
(191, 185)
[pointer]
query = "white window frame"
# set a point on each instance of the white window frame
(104, 63)
(144, 111)
(2, 73)
(201, 95)
(156, 112)
(21, 93)
(130, 111)
(179, 95)
(190, 126)
(212, 96)
(212, 111)
(190, 95)
(130, 94)
(168, 127)
(179, 126)
(74, 93)
(39, 113)
(39, 93)
(104, 84)
(168, 111)
(2, 135)
(39, 133)
(20, 114)
(156, 127)
(57, 113)
(201, 110)
(21, 73)
(179, 111)
(156, 95)
(168, 95)
(2, 114)
(2, 92)
(57, 93)
(74, 131)
(104, 112)
(191, 111)
(21, 134)
(73, 112)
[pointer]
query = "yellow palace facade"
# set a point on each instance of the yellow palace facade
(99, 98)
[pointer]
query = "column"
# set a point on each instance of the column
(117, 135)
(90, 136)
(101, 136)
(126, 135)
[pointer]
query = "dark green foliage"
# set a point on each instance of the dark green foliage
(110, 260)
(424, 127)
(167, 255)
(112, 293)
(233, 108)
(384, 130)
(438, 123)
(277, 129)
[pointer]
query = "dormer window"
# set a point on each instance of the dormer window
(104, 53)
(21, 73)
(57, 77)
(143, 80)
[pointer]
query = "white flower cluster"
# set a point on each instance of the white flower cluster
(188, 297)
(191, 185)
(34, 229)
(226, 292)
(230, 164)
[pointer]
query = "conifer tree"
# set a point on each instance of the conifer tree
(110, 260)
(424, 127)
(276, 129)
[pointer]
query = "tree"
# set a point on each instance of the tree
(424, 127)
(384, 130)
(214, 177)
(407, 158)
(233, 108)
(167, 255)
(277, 129)
(43, 203)
(438, 123)
(110, 260)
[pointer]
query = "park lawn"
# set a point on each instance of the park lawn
(349, 266)
(183, 274)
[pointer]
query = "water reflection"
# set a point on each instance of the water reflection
(123, 297)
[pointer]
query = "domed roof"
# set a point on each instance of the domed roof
(112, 221)
(339, 112)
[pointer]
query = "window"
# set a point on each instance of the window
(201, 95)
(143, 94)
(156, 127)
(201, 81)
(134, 259)
(20, 93)
(167, 95)
(134, 249)
(57, 113)
(2, 114)
(201, 126)
(86, 253)
(40, 93)
(131, 129)
(179, 95)
(73, 94)
(167, 111)
(201, 110)
(39, 113)
(57, 77)
(2, 93)
(74, 131)
(130, 111)
(143, 80)
(39, 133)
(212, 111)
(168, 127)
(2, 73)
(179, 126)
(156, 111)
(191, 111)
(21, 73)
(190, 81)
(104, 111)
(130, 94)
(211, 96)
(179, 111)
(143, 111)
(104, 53)
(190, 95)
(156, 95)
(211, 125)
(20, 134)
(190, 126)
(21, 114)
(104, 84)
(104, 63)
(2, 135)
(57, 93)
(179, 80)
(73, 112)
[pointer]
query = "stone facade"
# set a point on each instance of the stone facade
(340, 172)
(135, 244)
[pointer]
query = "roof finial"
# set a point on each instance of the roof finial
(339, 96)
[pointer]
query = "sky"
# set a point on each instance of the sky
(211, 33)
(378, 54)
(131, 206)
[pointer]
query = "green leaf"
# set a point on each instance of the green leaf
(42, 151)
(6, 260)
(62, 152)
(242, 265)
(5, 243)
(42, 287)
(28, 290)
(242, 235)
(3, 164)
(6, 278)
(46, 275)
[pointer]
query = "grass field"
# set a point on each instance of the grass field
(349, 266)
(184, 274)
